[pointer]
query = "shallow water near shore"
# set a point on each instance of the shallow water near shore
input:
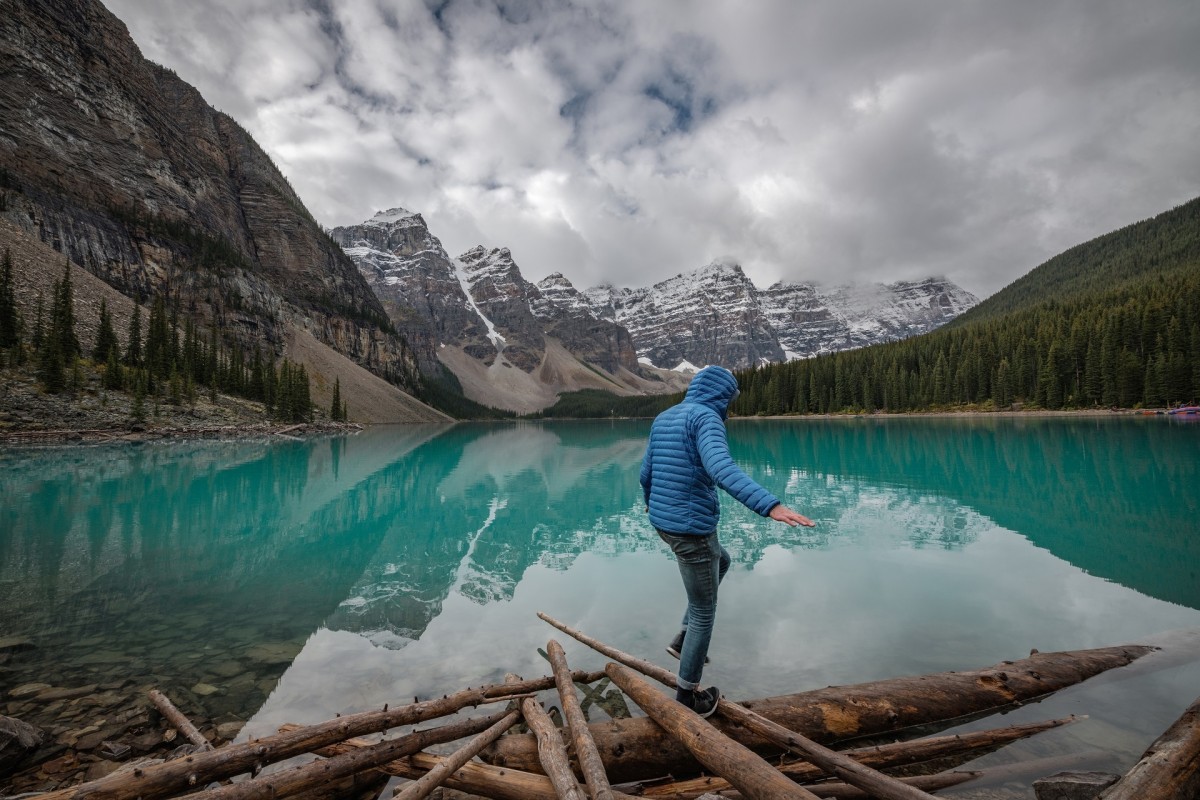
(268, 581)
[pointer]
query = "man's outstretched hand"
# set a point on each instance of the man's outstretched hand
(782, 513)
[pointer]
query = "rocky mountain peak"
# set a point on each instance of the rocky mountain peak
(716, 315)
(132, 175)
(392, 216)
(480, 315)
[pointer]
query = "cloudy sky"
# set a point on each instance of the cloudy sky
(629, 141)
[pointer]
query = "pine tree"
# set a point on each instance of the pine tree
(106, 337)
(335, 408)
(62, 319)
(10, 334)
(138, 408)
(1050, 381)
(158, 341)
(114, 377)
(941, 380)
(50, 368)
(305, 407)
(1194, 358)
(133, 348)
(1002, 396)
(39, 331)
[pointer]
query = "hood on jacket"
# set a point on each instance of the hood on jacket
(715, 387)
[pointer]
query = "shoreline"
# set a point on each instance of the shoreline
(38, 436)
(30, 436)
(1031, 413)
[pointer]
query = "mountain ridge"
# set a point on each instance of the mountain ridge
(124, 168)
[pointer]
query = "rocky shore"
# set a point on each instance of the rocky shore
(88, 709)
(29, 415)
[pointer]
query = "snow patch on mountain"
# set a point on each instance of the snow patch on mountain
(391, 216)
(464, 280)
(716, 315)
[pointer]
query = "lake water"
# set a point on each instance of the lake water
(288, 581)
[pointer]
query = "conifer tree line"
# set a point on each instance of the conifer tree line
(163, 362)
(1135, 345)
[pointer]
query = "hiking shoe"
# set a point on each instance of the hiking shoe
(676, 646)
(703, 702)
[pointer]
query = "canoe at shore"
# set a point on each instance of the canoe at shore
(638, 749)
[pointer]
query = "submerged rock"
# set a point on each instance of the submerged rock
(17, 740)
(15, 644)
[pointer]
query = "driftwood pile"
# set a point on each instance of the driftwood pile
(773, 748)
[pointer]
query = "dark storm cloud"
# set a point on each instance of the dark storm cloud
(629, 141)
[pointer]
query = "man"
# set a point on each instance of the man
(686, 459)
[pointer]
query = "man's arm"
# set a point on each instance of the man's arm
(713, 447)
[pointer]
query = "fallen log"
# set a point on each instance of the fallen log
(474, 778)
(181, 775)
(585, 749)
(178, 720)
(436, 776)
(748, 773)
(552, 750)
(1170, 768)
(870, 781)
(836, 764)
(925, 783)
(637, 749)
(314, 774)
(846, 791)
(884, 756)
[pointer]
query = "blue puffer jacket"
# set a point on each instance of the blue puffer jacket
(688, 458)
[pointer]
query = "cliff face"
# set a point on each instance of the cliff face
(477, 316)
(715, 315)
(126, 169)
(409, 270)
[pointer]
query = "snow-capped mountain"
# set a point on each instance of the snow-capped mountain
(515, 344)
(476, 314)
(716, 315)
(711, 316)
(417, 281)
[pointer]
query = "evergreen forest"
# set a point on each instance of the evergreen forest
(160, 364)
(1114, 322)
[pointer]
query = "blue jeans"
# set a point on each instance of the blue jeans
(703, 563)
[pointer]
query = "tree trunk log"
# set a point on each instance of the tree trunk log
(637, 749)
(181, 775)
(926, 783)
(880, 757)
(308, 776)
(873, 783)
(748, 773)
(552, 750)
(475, 778)
(1170, 769)
(849, 770)
(178, 720)
(436, 776)
(585, 749)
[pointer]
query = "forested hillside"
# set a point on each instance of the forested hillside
(1113, 322)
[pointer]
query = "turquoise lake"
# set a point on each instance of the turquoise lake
(273, 581)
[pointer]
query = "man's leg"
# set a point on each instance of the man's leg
(700, 560)
(675, 648)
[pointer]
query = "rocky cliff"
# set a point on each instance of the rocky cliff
(510, 343)
(716, 315)
(124, 168)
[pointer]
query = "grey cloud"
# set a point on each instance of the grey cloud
(629, 141)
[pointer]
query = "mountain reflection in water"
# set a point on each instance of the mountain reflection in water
(410, 559)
